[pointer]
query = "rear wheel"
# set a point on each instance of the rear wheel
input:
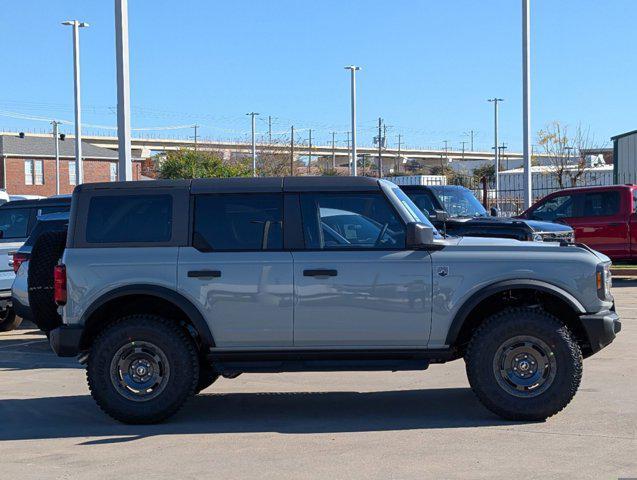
(142, 368)
(8, 320)
(46, 253)
(523, 364)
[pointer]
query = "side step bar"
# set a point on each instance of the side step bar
(229, 363)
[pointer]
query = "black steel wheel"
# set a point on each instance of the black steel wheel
(524, 364)
(142, 368)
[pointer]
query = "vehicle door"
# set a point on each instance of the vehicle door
(235, 270)
(355, 283)
(601, 224)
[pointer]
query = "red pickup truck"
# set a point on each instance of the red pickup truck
(604, 218)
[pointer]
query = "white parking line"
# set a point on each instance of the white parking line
(23, 343)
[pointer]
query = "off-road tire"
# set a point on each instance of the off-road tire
(182, 360)
(514, 322)
(9, 320)
(207, 376)
(45, 255)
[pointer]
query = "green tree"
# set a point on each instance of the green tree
(200, 164)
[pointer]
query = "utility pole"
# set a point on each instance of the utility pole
(463, 144)
(333, 151)
(526, 101)
(309, 153)
(349, 154)
(78, 104)
(472, 141)
(254, 144)
(380, 147)
(56, 136)
(353, 69)
(125, 167)
(470, 135)
(292, 152)
(502, 148)
(195, 137)
(399, 160)
(270, 129)
(495, 102)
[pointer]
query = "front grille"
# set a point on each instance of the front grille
(557, 236)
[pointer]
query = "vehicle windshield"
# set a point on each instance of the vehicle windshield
(459, 202)
(416, 214)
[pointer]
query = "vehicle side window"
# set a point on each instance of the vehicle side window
(129, 219)
(342, 221)
(14, 222)
(424, 201)
(599, 204)
(238, 222)
(561, 206)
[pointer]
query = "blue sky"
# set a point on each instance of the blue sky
(427, 66)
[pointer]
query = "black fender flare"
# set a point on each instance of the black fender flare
(177, 299)
(483, 293)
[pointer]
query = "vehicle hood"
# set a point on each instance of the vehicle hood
(536, 225)
(540, 226)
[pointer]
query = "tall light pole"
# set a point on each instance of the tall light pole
(353, 69)
(309, 153)
(495, 101)
(56, 136)
(78, 104)
(125, 170)
(526, 101)
(254, 145)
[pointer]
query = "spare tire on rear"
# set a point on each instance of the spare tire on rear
(45, 255)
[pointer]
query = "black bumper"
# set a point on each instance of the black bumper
(601, 328)
(65, 340)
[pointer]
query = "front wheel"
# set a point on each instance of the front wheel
(523, 364)
(8, 320)
(142, 368)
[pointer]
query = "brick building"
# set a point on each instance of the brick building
(28, 164)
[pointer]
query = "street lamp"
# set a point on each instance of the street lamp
(78, 114)
(353, 69)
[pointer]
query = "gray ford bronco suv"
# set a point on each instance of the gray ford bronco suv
(165, 286)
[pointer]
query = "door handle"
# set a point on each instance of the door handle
(320, 273)
(204, 273)
(616, 224)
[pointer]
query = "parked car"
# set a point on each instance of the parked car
(604, 218)
(52, 222)
(467, 217)
(167, 285)
(17, 219)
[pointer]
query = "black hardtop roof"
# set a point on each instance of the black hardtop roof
(38, 202)
(245, 184)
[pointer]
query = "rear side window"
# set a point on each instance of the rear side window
(14, 222)
(238, 222)
(129, 219)
(600, 204)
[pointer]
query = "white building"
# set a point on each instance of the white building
(625, 157)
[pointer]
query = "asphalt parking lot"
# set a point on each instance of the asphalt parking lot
(318, 425)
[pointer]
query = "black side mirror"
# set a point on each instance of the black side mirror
(419, 236)
(1, 233)
(440, 216)
(494, 211)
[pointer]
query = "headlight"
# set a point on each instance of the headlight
(604, 281)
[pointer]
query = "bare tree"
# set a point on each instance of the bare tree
(566, 153)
